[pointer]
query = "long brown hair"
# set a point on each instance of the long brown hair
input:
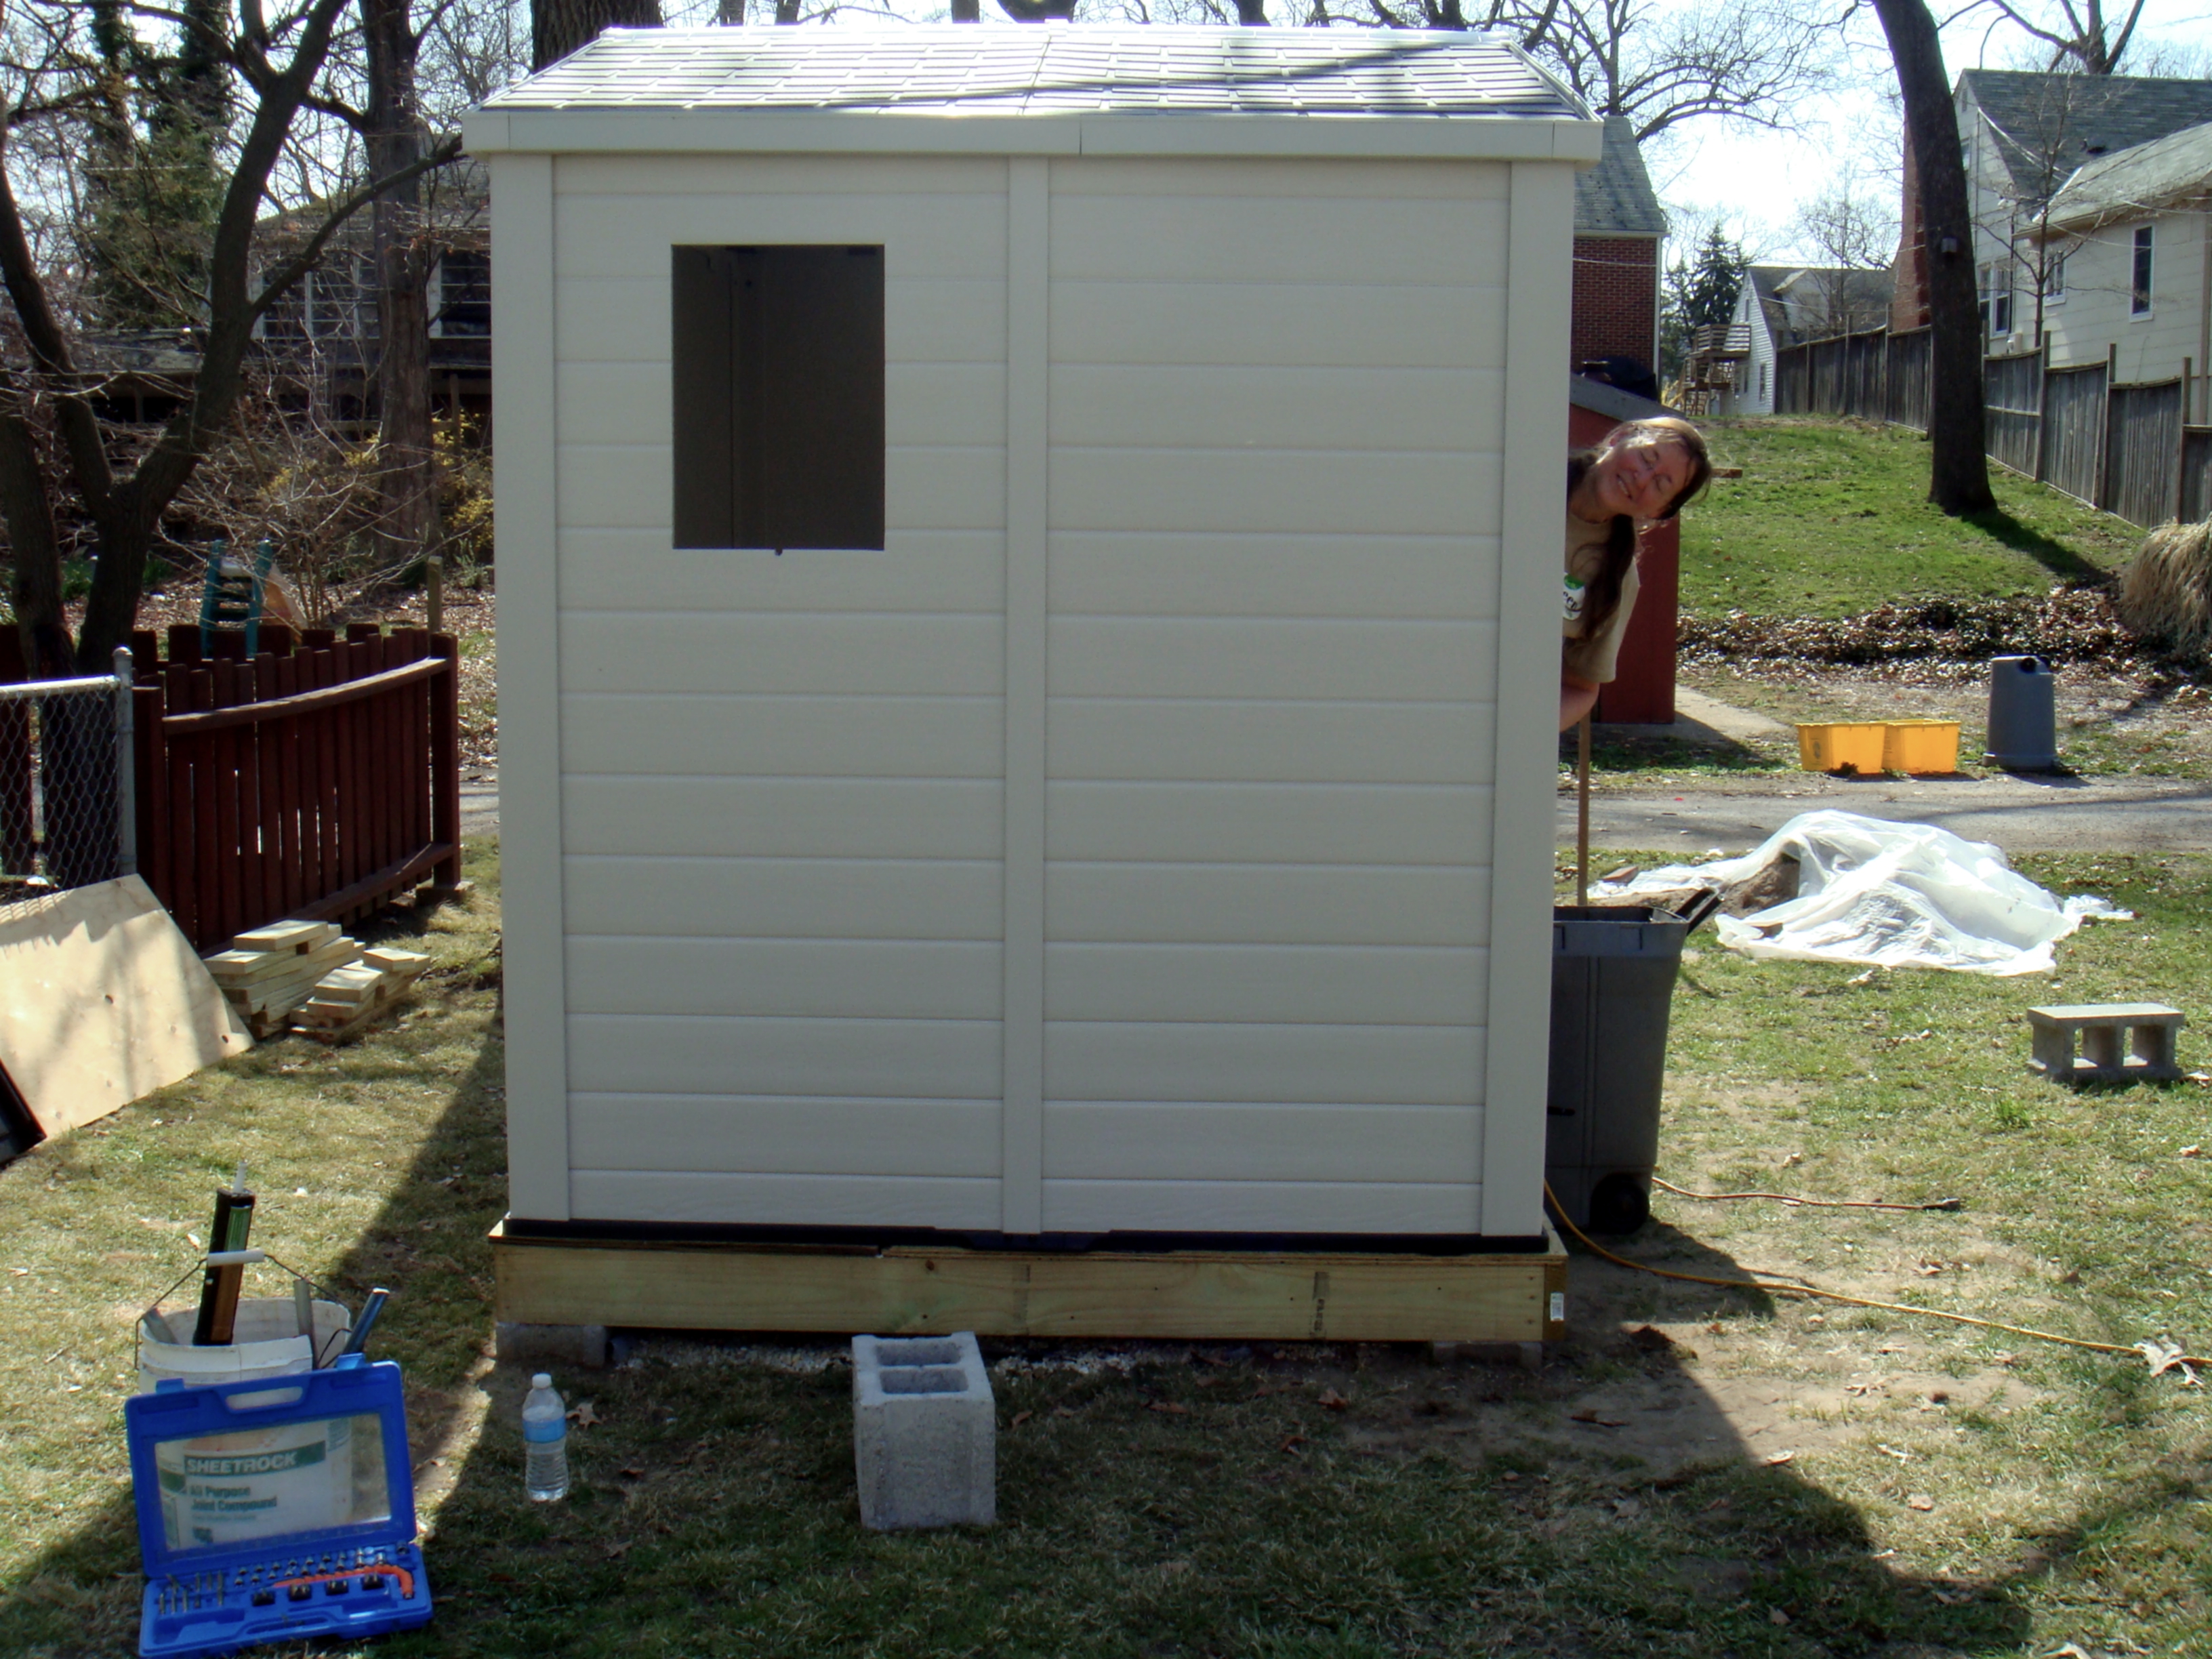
(1601, 596)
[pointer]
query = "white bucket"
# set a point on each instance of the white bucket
(258, 1483)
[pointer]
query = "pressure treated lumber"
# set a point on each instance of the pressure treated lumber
(915, 1290)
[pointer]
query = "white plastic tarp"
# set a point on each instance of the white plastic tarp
(1893, 895)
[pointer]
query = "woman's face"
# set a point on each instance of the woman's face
(1640, 478)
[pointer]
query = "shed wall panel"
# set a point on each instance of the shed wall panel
(715, 736)
(837, 654)
(1278, 904)
(770, 978)
(1258, 1206)
(1371, 1065)
(782, 817)
(1342, 409)
(1185, 1140)
(1332, 371)
(920, 570)
(787, 1201)
(1140, 574)
(1304, 984)
(1268, 822)
(1313, 325)
(786, 898)
(789, 1134)
(690, 1054)
(1259, 740)
(1271, 459)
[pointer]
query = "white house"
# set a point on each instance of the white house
(1028, 597)
(2128, 279)
(2025, 134)
(1784, 304)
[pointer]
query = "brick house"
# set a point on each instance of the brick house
(1618, 227)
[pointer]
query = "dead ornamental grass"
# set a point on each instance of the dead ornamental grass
(2165, 592)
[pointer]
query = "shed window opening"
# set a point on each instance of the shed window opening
(2139, 287)
(778, 379)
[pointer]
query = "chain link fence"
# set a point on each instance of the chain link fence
(67, 816)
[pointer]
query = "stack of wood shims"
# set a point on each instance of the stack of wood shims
(348, 999)
(269, 971)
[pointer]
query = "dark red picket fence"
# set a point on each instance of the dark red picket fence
(314, 779)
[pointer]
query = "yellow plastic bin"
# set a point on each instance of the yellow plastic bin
(1832, 746)
(1920, 745)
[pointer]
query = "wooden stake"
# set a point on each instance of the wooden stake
(1582, 812)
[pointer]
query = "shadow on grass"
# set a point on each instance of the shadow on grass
(1300, 1501)
(2054, 556)
(427, 1243)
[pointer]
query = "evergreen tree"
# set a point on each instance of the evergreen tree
(156, 177)
(1700, 290)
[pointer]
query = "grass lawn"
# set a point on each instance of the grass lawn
(1698, 1471)
(1831, 518)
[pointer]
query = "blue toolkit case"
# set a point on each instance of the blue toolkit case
(274, 1511)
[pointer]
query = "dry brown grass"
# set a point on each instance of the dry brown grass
(2165, 592)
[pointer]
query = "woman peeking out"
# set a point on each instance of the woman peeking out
(1643, 471)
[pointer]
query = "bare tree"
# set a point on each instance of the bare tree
(558, 28)
(281, 62)
(1662, 64)
(2078, 39)
(1959, 473)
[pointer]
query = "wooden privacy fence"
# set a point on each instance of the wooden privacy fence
(2126, 448)
(312, 780)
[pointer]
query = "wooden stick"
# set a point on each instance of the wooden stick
(1582, 812)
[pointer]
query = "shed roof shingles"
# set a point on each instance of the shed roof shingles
(980, 68)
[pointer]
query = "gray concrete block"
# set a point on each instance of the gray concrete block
(552, 1347)
(925, 1432)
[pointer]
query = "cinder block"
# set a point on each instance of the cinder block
(551, 1347)
(2148, 1027)
(925, 1432)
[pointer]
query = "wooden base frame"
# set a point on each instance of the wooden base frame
(914, 1290)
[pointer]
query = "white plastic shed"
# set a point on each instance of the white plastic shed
(1105, 784)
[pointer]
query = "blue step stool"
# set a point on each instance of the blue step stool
(276, 1509)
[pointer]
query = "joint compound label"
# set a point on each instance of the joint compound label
(229, 1488)
(1576, 594)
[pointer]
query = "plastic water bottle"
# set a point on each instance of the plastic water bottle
(544, 1442)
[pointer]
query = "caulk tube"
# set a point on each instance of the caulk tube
(220, 1285)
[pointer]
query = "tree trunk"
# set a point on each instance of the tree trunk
(407, 478)
(1960, 471)
(558, 28)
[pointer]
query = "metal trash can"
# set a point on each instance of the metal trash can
(2023, 719)
(1613, 986)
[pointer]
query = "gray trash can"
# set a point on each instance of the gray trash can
(2023, 720)
(1613, 986)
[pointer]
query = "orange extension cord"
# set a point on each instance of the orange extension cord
(1785, 1287)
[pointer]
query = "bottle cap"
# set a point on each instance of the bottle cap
(543, 1380)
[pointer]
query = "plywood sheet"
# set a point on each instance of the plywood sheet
(103, 1001)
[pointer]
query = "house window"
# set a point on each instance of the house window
(778, 374)
(463, 296)
(1997, 299)
(2054, 278)
(2139, 287)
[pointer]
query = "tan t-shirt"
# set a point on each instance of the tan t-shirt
(1592, 660)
